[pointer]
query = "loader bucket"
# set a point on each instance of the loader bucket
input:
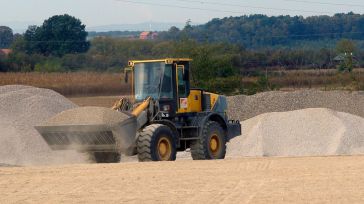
(90, 129)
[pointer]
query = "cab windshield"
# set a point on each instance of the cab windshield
(153, 79)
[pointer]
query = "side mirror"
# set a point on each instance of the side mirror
(126, 74)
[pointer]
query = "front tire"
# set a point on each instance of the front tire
(212, 143)
(156, 143)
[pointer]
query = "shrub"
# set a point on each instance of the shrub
(52, 65)
(227, 85)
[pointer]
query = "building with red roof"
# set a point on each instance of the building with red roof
(148, 35)
(5, 52)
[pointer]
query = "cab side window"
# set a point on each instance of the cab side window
(167, 84)
(182, 93)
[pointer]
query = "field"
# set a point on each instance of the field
(103, 84)
(103, 101)
(237, 179)
(70, 84)
(247, 180)
(324, 79)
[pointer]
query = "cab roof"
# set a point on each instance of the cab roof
(166, 60)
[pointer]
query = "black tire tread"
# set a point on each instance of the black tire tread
(199, 150)
(144, 142)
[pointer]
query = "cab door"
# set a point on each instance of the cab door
(188, 100)
(181, 87)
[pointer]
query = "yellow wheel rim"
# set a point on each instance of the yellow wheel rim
(214, 144)
(164, 149)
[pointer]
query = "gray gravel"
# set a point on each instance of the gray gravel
(122, 126)
(244, 107)
(307, 132)
(300, 123)
(21, 108)
(317, 131)
(87, 115)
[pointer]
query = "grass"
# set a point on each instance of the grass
(93, 83)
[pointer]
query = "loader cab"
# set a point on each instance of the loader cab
(165, 81)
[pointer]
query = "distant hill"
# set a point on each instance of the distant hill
(22, 26)
(260, 31)
(114, 34)
(19, 26)
(146, 26)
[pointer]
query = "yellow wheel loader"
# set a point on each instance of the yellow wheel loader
(163, 116)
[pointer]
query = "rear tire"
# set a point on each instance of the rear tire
(212, 143)
(156, 143)
(106, 157)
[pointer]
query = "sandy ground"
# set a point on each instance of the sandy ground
(103, 101)
(249, 180)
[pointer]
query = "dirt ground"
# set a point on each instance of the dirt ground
(103, 101)
(247, 180)
(234, 180)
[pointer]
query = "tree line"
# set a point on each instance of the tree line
(261, 31)
(62, 44)
(108, 54)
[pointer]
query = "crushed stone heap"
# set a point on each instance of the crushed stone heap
(21, 108)
(244, 107)
(307, 132)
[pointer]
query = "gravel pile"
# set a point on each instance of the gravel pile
(122, 126)
(244, 107)
(87, 115)
(307, 132)
(302, 123)
(21, 108)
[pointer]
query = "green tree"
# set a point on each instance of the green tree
(59, 35)
(261, 31)
(188, 26)
(31, 42)
(345, 46)
(6, 36)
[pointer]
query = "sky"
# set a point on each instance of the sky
(109, 12)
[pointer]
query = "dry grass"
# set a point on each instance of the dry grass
(323, 79)
(94, 83)
(326, 79)
(70, 84)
